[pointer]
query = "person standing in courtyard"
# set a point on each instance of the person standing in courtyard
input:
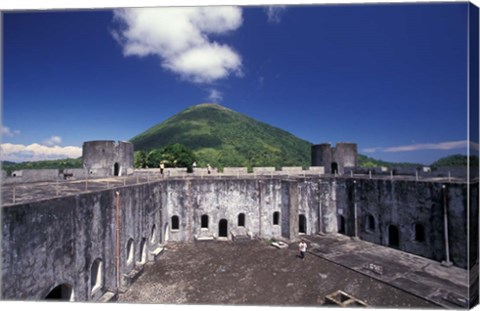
(162, 167)
(302, 248)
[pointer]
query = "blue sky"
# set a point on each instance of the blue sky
(392, 78)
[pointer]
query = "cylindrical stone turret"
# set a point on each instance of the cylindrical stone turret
(321, 155)
(335, 159)
(107, 157)
(345, 156)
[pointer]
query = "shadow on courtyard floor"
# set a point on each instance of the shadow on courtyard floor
(425, 278)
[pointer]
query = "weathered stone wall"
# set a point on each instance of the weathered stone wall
(345, 155)
(100, 157)
(43, 175)
(315, 170)
(52, 242)
(226, 199)
(38, 248)
(328, 192)
(234, 171)
(264, 170)
(73, 173)
(322, 156)
(36, 175)
(308, 204)
(271, 201)
(403, 204)
(292, 170)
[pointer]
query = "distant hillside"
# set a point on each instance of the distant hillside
(364, 161)
(54, 164)
(223, 137)
(455, 160)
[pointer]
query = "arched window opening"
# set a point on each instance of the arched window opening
(393, 236)
(334, 168)
(204, 222)
(175, 223)
(370, 226)
(241, 220)
(419, 233)
(96, 276)
(143, 251)
(276, 218)
(302, 224)
(116, 169)
(153, 235)
(130, 251)
(223, 228)
(341, 225)
(63, 292)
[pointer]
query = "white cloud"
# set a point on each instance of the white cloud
(6, 131)
(180, 38)
(52, 141)
(215, 96)
(448, 145)
(205, 64)
(371, 150)
(37, 152)
(274, 13)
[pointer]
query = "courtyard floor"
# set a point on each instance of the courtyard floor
(256, 273)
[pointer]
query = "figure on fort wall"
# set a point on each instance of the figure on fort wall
(302, 249)
(162, 167)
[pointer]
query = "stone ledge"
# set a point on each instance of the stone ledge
(280, 244)
(157, 252)
(130, 277)
(108, 296)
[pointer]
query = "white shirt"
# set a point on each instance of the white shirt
(303, 247)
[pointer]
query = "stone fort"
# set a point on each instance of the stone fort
(89, 245)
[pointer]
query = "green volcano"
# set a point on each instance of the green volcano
(223, 137)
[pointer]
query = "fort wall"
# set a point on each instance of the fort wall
(54, 242)
(32, 175)
(62, 240)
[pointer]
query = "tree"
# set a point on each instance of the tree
(154, 157)
(176, 155)
(140, 159)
